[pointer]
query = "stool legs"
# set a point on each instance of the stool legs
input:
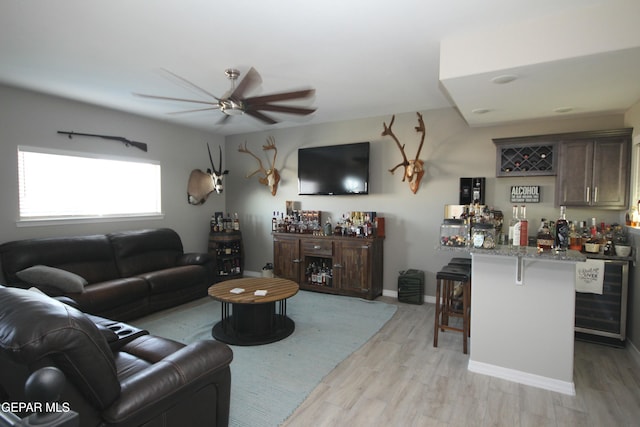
(445, 307)
(436, 324)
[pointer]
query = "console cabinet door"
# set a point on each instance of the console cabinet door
(353, 266)
(286, 258)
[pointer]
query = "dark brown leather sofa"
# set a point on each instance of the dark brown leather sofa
(138, 380)
(125, 275)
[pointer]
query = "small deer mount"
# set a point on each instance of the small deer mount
(270, 177)
(202, 184)
(413, 169)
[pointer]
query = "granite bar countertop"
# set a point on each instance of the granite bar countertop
(520, 251)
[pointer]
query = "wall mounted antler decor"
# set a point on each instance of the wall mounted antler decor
(413, 169)
(270, 177)
(202, 184)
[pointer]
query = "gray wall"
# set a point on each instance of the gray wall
(27, 118)
(451, 150)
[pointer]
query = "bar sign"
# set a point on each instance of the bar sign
(525, 194)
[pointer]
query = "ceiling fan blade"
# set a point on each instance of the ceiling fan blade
(281, 109)
(250, 80)
(224, 119)
(275, 97)
(262, 117)
(168, 98)
(192, 85)
(193, 111)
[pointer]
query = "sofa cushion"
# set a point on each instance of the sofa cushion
(90, 257)
(43, 275)
(100, 297)
(142, 251)
(34, 327)
(175, 279)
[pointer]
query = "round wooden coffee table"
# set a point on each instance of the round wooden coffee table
(250, 319)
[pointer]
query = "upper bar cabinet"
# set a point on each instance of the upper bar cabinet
(594, 169)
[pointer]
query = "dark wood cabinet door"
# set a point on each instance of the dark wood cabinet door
(575, 173)
(286, 258)
(353, 266)
(610, 173)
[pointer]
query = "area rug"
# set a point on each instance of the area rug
(269, 382)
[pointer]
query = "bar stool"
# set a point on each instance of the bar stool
(464, 262)
(461, 261)
(448, 304)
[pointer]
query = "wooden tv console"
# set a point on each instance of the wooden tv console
(353, 265)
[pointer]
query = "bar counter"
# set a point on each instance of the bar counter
(522, 315)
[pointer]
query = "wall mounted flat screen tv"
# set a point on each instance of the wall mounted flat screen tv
(334, 169)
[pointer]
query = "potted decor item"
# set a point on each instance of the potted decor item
(621, 241)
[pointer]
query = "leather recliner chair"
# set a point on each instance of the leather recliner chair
(149, 381)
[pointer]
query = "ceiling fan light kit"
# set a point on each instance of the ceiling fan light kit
(235, 104)
(232, 108)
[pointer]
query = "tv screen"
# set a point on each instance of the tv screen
(334, 169)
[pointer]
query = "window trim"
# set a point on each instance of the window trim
(635, 171)
(83, 219)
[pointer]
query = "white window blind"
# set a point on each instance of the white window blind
(59, 185)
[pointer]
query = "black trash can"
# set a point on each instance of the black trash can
(411, 286)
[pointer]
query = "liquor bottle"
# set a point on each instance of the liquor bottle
(575, 241)
(328, 228)
(274, 222)
(227, 222)
(236, 222)
(562, 230)
(512, 224)
(544, 239)
(593, 229)
(524, 227)
(635, 216)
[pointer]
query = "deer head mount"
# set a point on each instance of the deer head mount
(413, 169)
(270, 177)
(202, 184)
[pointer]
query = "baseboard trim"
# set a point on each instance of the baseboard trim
(633, 351)
(523, 377)
(394, 294)
(248, 273)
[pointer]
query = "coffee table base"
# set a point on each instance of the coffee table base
(253, 324)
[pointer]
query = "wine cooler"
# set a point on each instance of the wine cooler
(603, 318)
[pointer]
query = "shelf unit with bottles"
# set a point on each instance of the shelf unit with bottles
(525, 156)
(227, 250)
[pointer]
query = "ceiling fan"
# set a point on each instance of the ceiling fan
(233, 103)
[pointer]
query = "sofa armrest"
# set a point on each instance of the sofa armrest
(172, 382)
(194, 258)
(68, 301)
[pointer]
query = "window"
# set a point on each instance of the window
(63, 185)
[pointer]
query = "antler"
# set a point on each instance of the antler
(246, 150)
(420, 128)
(388, 132)
(271, 145)
(213, 168)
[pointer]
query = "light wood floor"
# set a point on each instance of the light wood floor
(399, 379)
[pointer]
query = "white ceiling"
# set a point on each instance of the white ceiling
(365, 58)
